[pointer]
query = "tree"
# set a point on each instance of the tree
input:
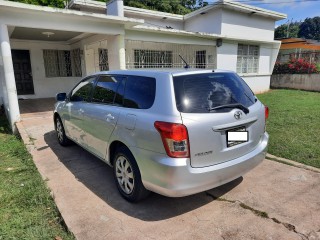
(50, 3)
(310, 29)
(282, 30)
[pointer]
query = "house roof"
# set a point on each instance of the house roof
(227, 4)
(201, 35)
(294, 43)
(21, 7)
(157, 14)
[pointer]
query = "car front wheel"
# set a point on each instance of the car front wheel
(127, 176)
(61, 135)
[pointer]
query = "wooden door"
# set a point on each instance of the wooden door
(22, 72)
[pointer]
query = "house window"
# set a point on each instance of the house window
(152, 59)
(76, 62)
(103, 59)
(248, 58)
(201, 59)
(57, 63)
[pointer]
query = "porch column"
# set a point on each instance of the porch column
(9, 84)
(117, 54)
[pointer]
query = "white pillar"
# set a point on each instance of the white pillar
(116, 52)
(12, 106)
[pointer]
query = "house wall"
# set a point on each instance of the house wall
(209, 22)
(259, 82)
(44, 87)
(245, 25)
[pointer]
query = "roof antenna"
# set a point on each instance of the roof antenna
(186, 64)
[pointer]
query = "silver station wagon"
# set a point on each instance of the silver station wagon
(174, 132)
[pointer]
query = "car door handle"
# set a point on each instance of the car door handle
(110, 117)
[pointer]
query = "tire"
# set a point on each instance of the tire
(61, 135)
(127, 176)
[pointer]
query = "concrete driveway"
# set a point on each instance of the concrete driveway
(273, 201)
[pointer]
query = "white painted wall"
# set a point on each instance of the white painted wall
(245, 25)
(209, 22)
(227, 56)
(44, 87)
(258, 84)
(166, 38)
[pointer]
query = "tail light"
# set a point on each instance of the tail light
(266, 112)
(175, 138)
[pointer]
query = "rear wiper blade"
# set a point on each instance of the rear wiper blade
(232, 105)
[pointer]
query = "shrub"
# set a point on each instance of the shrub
(295, 66)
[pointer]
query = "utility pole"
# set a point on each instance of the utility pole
(288, 26)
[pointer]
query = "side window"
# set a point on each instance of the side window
(83, 90)
(106, 89)
(139, 92)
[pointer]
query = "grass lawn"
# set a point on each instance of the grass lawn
(294, 125)
(27, 211)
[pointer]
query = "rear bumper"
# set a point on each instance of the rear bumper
(176, 178)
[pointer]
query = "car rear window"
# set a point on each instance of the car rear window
(198, 93)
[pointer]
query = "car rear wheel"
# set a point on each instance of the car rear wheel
(127, 176)
(61, 135)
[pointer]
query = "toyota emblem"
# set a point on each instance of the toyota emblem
(238, 115)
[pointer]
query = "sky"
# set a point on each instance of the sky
(295, 9)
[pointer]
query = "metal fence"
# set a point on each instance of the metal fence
(310, 56)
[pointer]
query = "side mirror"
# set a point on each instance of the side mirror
(61, 97)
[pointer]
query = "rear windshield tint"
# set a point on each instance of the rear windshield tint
(199, 92)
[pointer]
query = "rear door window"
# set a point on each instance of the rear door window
(199, 92)
(106, 89)
(139, 92)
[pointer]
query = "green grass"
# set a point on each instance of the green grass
(294, 125)
(27, 210)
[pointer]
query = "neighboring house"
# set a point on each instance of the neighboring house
(52, 49)
(299, 48)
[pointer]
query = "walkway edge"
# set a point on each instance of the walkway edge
(293, 163)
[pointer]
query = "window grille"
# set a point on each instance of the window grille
(103, 59)
(152, 59)
(76, 62)
(143, 54)
(248, 59)
(57, 63)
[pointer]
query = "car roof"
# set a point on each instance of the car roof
(162, 71)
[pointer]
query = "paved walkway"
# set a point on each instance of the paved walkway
(273, 201)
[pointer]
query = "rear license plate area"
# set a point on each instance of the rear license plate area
(237, 136)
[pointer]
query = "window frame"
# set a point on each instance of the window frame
(84, 79)
(68, 65)
(245, 58)
(124, 78)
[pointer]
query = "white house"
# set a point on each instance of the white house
(47, 50)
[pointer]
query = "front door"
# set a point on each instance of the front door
(22, 71)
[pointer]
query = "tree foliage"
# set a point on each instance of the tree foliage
(170, 6)
(282, 30)
(50, 3)
(308, 29)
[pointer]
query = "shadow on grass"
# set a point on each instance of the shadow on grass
(4, 124)
(98, 178)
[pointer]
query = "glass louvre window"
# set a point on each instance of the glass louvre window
(152, 59)
(103, 59)
(248, 59)
(57, 63)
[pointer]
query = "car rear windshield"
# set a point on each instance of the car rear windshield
(198, 93)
